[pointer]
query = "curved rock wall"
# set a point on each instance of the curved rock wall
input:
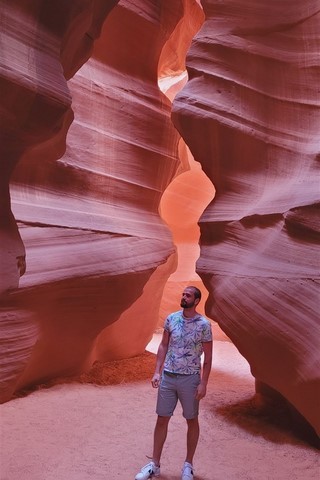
(97, 252)
(38, 52)
(250, 115)
(87, 210)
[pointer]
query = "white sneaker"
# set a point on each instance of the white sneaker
(148, 471)
(187, 471)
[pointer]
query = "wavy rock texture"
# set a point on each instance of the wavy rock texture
(41, 44)
(98, 254)
(250, 114)
(89, 221)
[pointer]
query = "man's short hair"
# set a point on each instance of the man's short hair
(196, 291)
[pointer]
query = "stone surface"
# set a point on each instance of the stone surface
(88, 207)
(89, 148)
(41, 43)
(250, 115)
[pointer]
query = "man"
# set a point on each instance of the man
(187, 335)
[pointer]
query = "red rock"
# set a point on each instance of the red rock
(89, 148)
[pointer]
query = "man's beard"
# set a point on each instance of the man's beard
(184, 304)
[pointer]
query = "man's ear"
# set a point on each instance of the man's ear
(197, 300)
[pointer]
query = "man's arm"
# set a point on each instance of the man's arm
(206, 369)
(161, 355)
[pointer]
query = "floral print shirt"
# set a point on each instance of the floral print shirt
(185, 342)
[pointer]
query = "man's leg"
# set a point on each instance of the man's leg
(192, 438)
(188, 385)
(160, 435)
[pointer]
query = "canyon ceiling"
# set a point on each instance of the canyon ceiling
(89, 146)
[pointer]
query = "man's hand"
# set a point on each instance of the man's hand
(201, 391)
(155, 381)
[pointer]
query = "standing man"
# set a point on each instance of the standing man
(187, 335)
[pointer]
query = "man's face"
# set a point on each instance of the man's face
(188, 299)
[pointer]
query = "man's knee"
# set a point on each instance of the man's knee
(162, 421)
(192, 422)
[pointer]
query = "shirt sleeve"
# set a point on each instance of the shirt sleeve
(207, 332)
(167, 325)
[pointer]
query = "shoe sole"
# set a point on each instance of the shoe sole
(155, 475)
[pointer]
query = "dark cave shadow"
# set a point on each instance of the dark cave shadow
(274, 420)
(271, 421)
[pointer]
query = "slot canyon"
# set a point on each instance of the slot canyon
(147, 145)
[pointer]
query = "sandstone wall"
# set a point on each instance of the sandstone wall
(250, 115)
(87, 208)
(88, 148)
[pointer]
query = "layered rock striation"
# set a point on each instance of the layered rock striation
(88, 161)
(42, 44)
(250, 115)
(88, 148)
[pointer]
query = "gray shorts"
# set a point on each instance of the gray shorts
(174, 387)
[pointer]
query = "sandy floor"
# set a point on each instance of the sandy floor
(103, 430)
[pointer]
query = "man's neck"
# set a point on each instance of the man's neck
(189, 312)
